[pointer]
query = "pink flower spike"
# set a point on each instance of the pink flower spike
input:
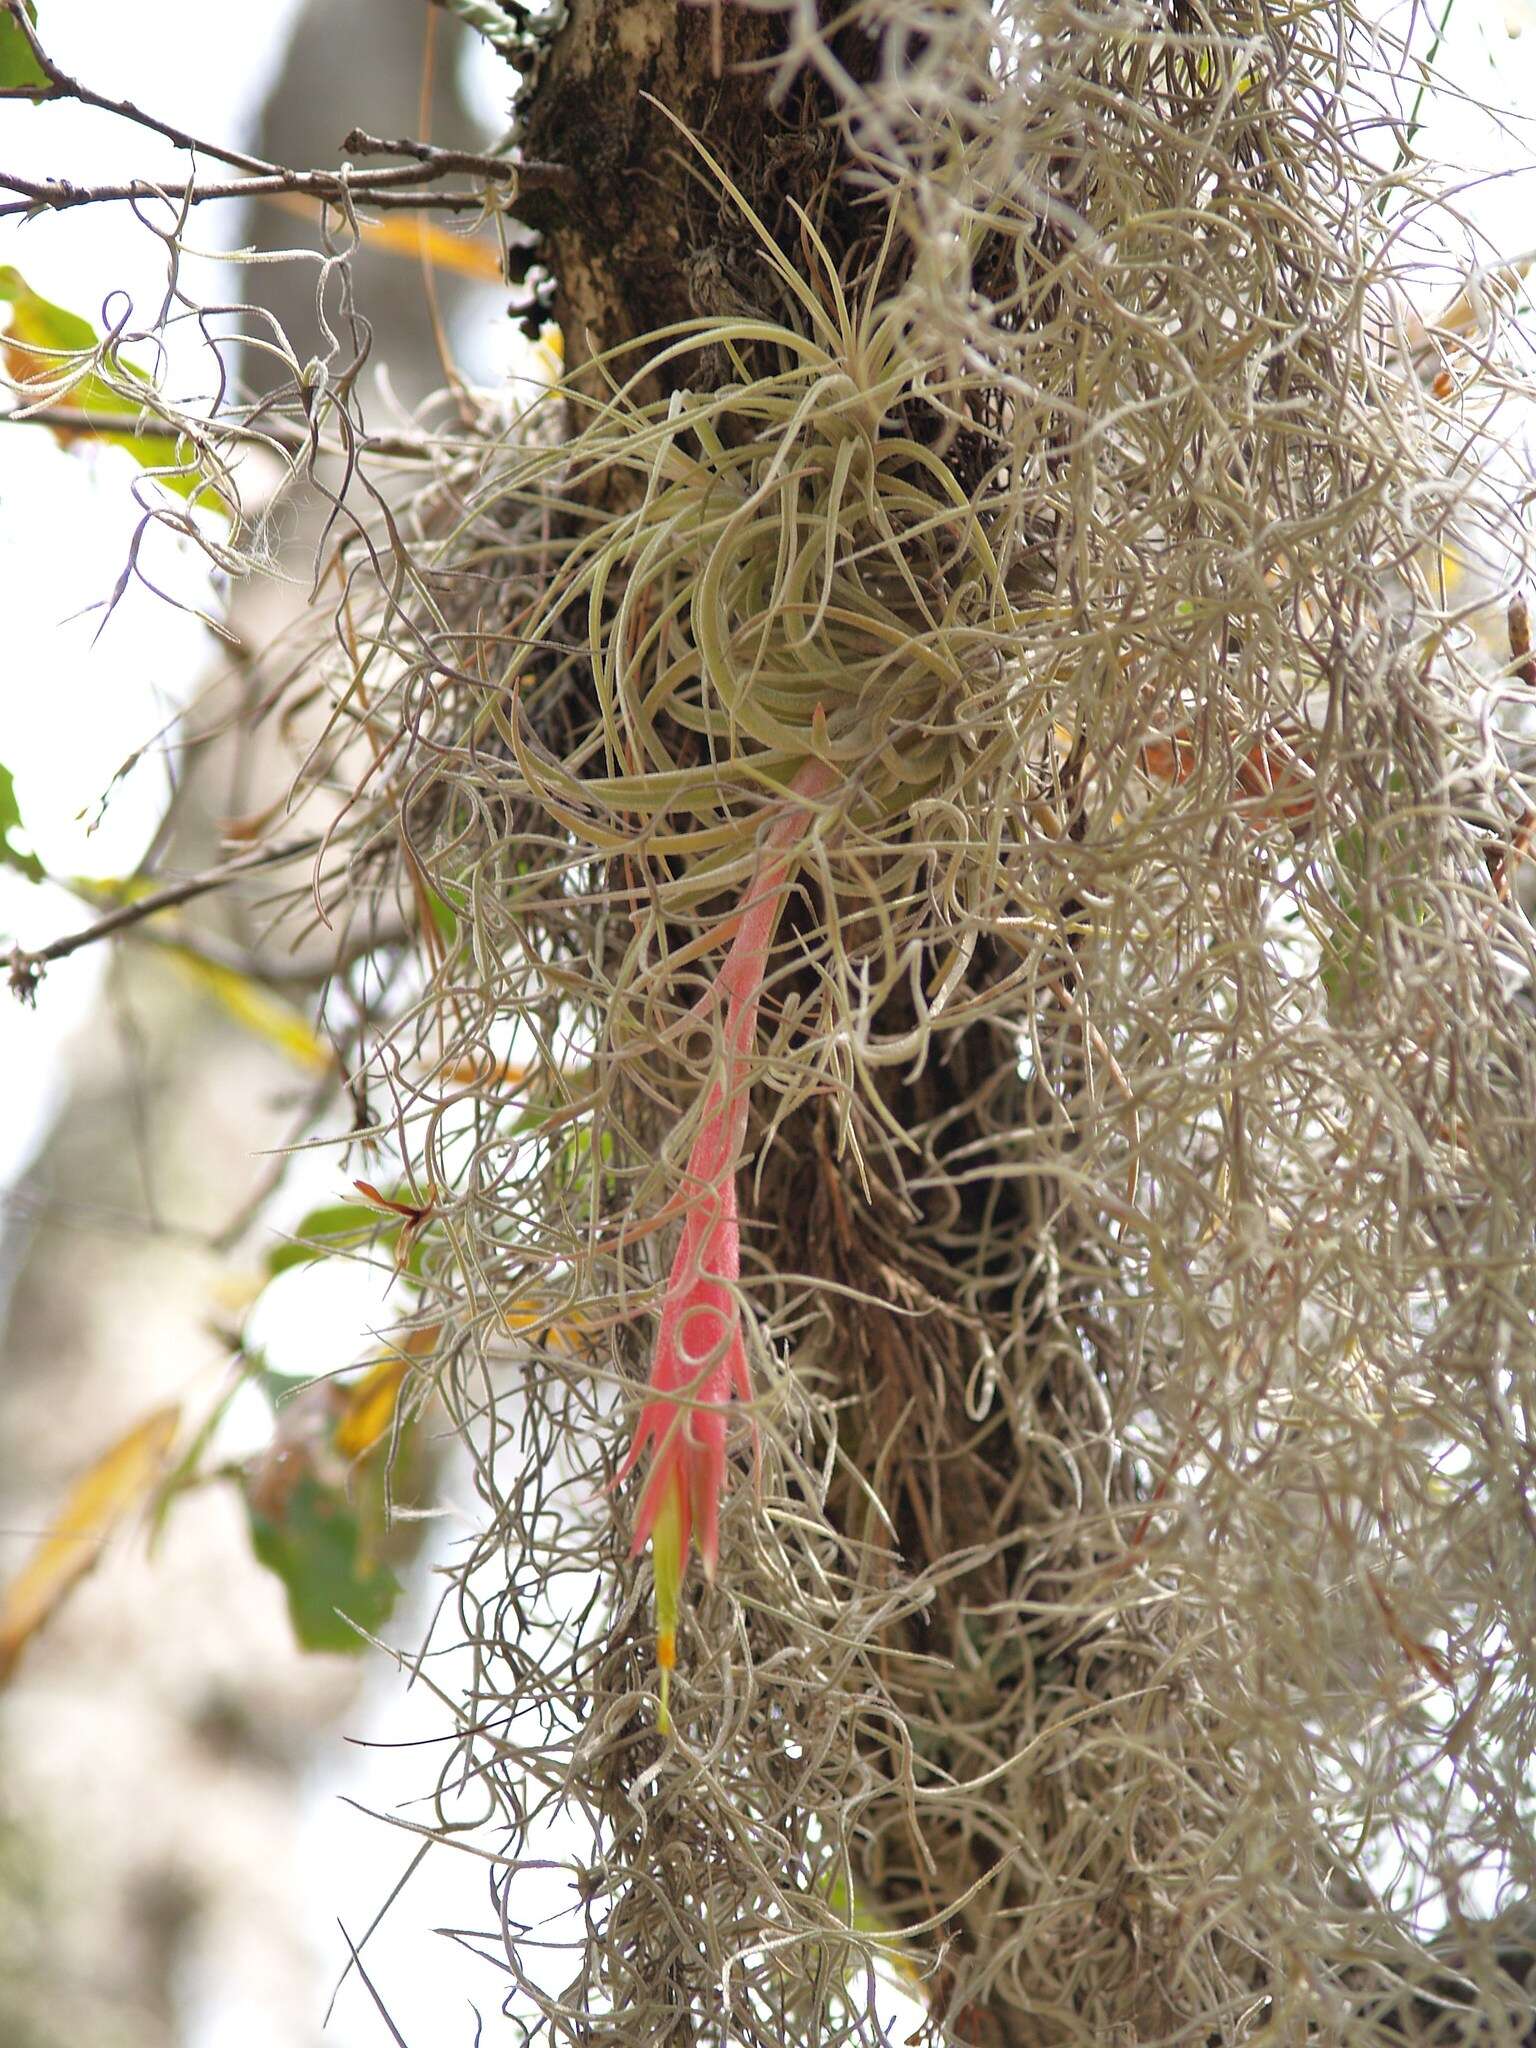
(700, 1355)
(700, 1360)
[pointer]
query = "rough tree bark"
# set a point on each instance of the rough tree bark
(636, 238)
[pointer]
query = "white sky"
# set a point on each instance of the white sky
(75, 706)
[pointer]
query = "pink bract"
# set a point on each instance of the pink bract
(700, 1359)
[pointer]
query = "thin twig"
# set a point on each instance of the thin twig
(377, 187)
(27, 969)
(357, 1962)
(358, 142)
(63, 86)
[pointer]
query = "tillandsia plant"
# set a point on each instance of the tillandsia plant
(944, 748)
(778, 484)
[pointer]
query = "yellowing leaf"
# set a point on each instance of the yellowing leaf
(122, 1477)
(403, 235)
(49, 355)
(1468, 312)
(549, 351)
(437, 246)
(244, 996)
(529, 1314)
(370, 1409)
(261, 1012)
(487, 1073)
(667, 1563)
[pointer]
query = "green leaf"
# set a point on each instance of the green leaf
(1385, 857)
(348, 1223)
(853, 1912)
(48, 351)
(18, 67)
(315, 1546)
(26, 864)
(442, 915)
(285, 1029)
(1347, 962)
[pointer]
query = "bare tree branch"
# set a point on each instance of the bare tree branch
(27, 969)
(63, 87)
(358, 142)
(375, 187)
(380, 187)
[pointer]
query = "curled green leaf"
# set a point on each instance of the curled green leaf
(11, 856)
(20, 71)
